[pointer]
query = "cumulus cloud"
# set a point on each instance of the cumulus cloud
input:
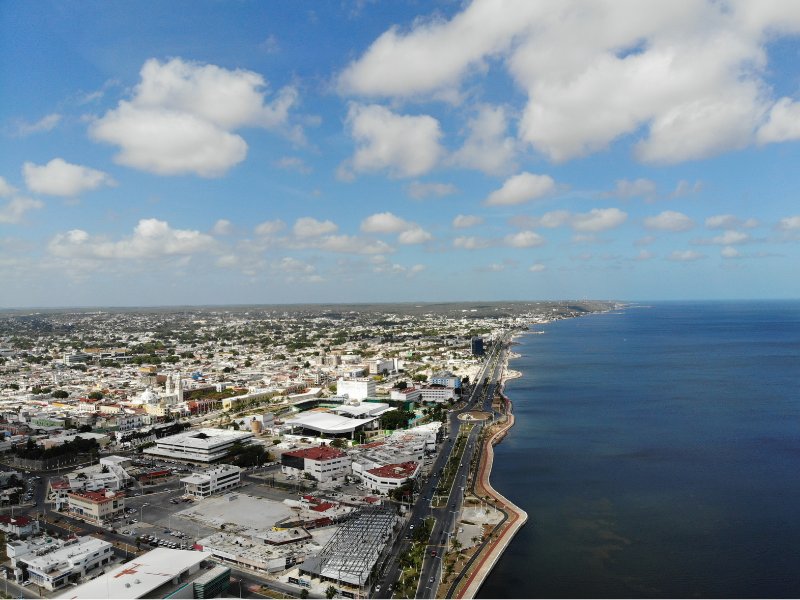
(466, 221)
(590, 238)
(14, 212)
(403, 145)
(182, 114)
(730, 222)
(520, 189)
(524, 239)
(646, 240)
(475, 242)
(487, 148)
(670, 221)
(353, 244)
(306, 227)
(645, 255)
(595, 221)
(388, 223)
(419, 191)
(270, 228)
(788, 223)
(151, 239)
(729, 238)
(6, 189)
(684, 188)
(292, 265)
(584, 256)
(730, 252)
(223, 227)
(687, 256)
(45, 124)
(537, 268)
(60, 178)
(626, 190)
(493, 268)
(691, 75)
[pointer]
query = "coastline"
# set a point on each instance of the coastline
(469, 581)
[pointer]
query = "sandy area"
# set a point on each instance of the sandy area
(248, 512)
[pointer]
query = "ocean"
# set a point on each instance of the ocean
(657, 454)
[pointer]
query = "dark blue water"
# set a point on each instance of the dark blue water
(657, 454)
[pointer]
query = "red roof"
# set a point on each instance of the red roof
(323, 507)
(320, 453)
(97, 496)
(372, 445)
(396, 471)
(18, 521)
(60, 485)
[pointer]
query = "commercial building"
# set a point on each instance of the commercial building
(211, 481)
(160, 573)
(437, 394)
(447, 379)
(477, 346)
(204, 445)
(405, 395)
(339, 421)
(50, 565)
(96, 507)
(390, 477)
(357, 389)
(323, 463)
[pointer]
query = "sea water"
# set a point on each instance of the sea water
(657, 454)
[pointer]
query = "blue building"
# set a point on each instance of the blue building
(447, 379)
(477, 346)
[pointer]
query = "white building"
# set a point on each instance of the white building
(408, 394)
(204, 445)
(437, 394)
(390, 477)
(323, 463)
(211, 481)
(51, 565)
(357, 389)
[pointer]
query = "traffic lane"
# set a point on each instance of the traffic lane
(17, 591)
(248, 580)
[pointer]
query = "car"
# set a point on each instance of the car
(411, 528)
(134, 520)
(26, 583)
(377, 589)
(99, 531)
(431, 579)
(137, 494)
(433, 552)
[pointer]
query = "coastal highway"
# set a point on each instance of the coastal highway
(446, 515)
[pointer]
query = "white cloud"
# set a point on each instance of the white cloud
(690, 74)
(730, 222)
(415, 236)
(386, 223)
(487, 148)
(223, 227)
(688, 255)
(584, 256)
(181, 116)
(405, 145)
(292, 163)
(151, 239)
(537, 268)
(729, 238)
(630, 189)
(13, 213)
(493, 268)
(520, 189)
(292, 265)
(306, 227)
(598, 219)
(583, 238)
(417, 269)
(524, 239)
(46, 124)
(788, 223)
(670, 221)
(60, 178)
(418, 190)
(645, 255)
(465, 221)
(6, 189)
(473, 242)
(347, 244)
(685, 189)
(646, 240)
(270, 228)
(730, 252)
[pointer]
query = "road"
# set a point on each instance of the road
(447, 515)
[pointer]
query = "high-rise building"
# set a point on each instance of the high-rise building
(477, 346)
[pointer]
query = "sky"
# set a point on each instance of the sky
(235, 152)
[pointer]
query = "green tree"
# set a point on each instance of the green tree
(304, 593)
(96, 396)
(330, 592)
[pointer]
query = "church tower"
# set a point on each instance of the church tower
(179, 387)
(169, 391)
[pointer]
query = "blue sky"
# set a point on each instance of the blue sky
(253, 152)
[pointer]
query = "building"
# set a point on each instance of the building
(477, 346)
(447, 379)
(378, 365)
(323, 463)
(51, 564)
(203, 445)
(96, 507)
(20, 526)
(160, 573)
(406, 395)
(437, 394)
(211, 481)
(390, 477)
(357, 389)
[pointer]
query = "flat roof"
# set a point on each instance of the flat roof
(140, 576)
(204, 439)
(327, 422)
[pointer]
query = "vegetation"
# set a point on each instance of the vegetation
(396, 419)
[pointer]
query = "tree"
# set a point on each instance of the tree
(420, 377)
(338, 443)
(96, 396)
(60, 394)
(330, 592)
(138, 543)
(304, 593)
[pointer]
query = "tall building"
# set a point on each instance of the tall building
(477, 346)
(357, 389)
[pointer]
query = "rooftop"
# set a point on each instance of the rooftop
(102, 496)
(322, 453)
(396, 471)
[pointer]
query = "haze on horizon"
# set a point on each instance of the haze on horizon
(210, 153)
